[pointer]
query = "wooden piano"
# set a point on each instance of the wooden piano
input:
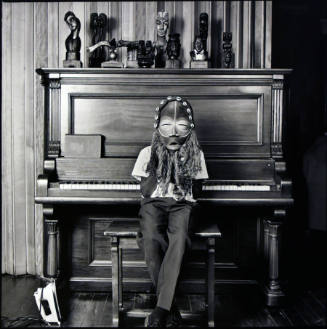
(239, 122)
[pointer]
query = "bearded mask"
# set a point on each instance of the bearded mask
(174, 122)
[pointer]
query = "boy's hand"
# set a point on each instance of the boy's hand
(148, 185)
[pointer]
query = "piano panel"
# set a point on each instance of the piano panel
(73, 169)
(231, 121)
(89, 259)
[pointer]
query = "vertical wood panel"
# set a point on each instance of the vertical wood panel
(188, 31)
(127, 24)
(150, 20)
(115, 23)
(217, 28)
(53, 34)
(18, 127)
(90, 7)
(29, 136)
(236, 28)
(247, 34)
(140, 20)
(6, 134)
(268, 34)
(179, 26)
(170, 8)
(226, 13)
(40, 60)
(258, 36)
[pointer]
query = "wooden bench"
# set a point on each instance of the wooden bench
(122, 235)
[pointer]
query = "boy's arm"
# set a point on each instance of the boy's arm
(148, 185)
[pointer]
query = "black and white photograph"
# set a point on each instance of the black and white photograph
(163, 163)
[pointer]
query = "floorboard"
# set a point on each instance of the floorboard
(307, 308)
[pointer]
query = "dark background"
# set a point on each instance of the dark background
(298, 42)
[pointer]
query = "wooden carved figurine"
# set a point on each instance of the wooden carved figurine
(132, 48)
(98, 24)
(204, 29)
(73, 41)
(162, 24)
(145, 54)
(110, 53)
(173, 51)
(199, 54)
(227, 48)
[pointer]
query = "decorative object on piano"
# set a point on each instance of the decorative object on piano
(132, 47)
(73, 41)
(162, 24)
(110, 59)
(204, 29)
(199, 54)
(173, 51)
(167, 170)
(145, 54)
(98, 25)
(227, 49)
(82, 146)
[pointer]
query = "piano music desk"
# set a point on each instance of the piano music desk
(122, 235)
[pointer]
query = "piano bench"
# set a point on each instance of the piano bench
(122, 235)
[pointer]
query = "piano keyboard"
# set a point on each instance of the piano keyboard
(133, 186)
(99, 186)
(245, 187)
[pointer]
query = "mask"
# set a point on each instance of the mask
(174, 122)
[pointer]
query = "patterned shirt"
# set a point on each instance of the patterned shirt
(140, 171)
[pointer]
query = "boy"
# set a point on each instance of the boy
(170, 170)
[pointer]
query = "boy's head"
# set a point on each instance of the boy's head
(174, 121)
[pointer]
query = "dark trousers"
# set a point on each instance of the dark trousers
(165, 229)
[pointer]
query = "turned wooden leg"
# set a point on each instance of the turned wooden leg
(115, 281)
(265, 248)
(52, 250)
(120, 283)
(211, 281)
(273, 289)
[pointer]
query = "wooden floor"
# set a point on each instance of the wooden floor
(305, 306)
(94, 310)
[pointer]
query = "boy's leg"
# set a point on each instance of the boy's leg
(153, 225)
(179, 240)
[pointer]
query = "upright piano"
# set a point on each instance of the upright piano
(239, 117)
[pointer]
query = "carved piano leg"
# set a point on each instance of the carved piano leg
(265, 247)
(115, 281)
(273, 290)
(52, 250)
(211, 282)
(120, 285)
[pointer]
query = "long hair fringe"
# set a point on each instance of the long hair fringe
(181, 165)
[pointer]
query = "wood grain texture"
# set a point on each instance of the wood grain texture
(268, 34)
(40, 59)
(18, 127)
(115, 24)
(6, 137)
(53, 34)
(29, 137)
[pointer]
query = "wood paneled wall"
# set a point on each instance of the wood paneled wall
(33, 35)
